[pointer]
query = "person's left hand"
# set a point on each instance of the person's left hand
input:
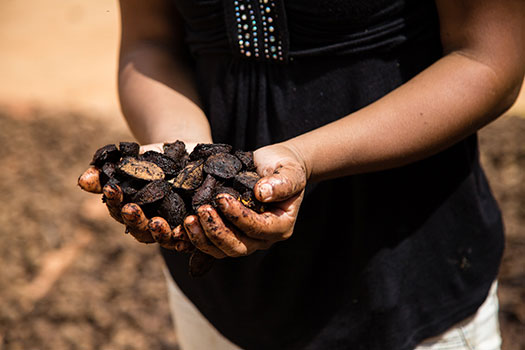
(245, 231)
(143, 229)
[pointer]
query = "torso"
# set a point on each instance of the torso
(376, 277)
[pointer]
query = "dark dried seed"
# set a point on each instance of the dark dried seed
(204, 194)
(139, 169)
(169, 166)
(114, 181)
(175, 150)
(104, 179)
(245, 180)
(129, 149)
(173, 209)
(108, 153)
(190, 177)
(107, 173)
(246, 159)
(131, 186)
(152, 192)
(222, 165)
(109, 169)
(204, 150)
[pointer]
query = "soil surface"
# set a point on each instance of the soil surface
(69, 276)
(503, 155)
(71, 279)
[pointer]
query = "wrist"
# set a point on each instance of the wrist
(300, 155)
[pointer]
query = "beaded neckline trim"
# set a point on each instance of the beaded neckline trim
(258, 30)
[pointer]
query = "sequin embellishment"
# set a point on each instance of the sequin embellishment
(259, 29)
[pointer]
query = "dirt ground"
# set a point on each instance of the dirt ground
(503, 155)
(69, 277)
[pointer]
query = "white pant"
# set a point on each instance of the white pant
(478, 332)
(194, 332)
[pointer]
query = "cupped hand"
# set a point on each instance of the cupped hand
(243, 230)
(132, 216)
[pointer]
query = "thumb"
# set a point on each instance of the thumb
(285, 181)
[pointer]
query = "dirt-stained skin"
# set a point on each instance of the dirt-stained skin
(113, 198)
(170, 239)
(90, 180)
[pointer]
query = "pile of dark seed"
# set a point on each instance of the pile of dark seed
(174, 184)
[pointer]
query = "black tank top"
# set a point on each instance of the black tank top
(414, 249)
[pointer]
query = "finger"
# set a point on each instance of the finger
(166, 237)
(285, 182)
(113, 197)
(134, 216)
(162, 232)
(225, 238)
(90, 180)
(141, 236)
(198, 237)
(276, 224)
(136, 222)
(180, 233)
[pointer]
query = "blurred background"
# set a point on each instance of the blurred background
(69, 277)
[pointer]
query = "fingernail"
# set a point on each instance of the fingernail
(154, 226)
(189, 224)
(205, 210)
(193, 228)
(189, 220)
(265, 191)
(223, 202)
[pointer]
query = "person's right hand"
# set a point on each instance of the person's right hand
(132, 216)
(242, 231)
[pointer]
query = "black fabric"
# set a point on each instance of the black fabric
(414, 250)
